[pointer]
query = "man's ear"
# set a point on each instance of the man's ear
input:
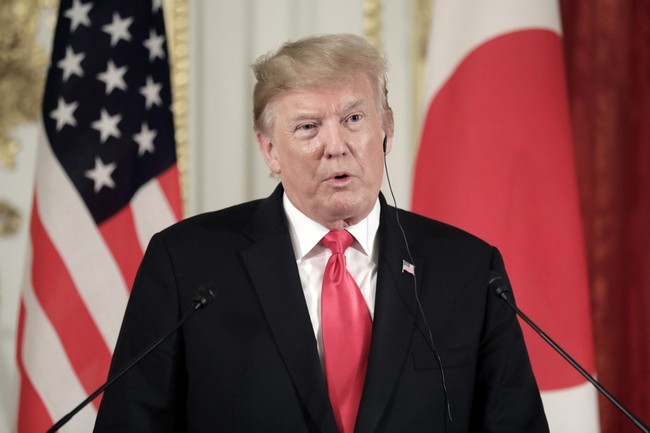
(267, 148)
(389, 130)
(387, 144)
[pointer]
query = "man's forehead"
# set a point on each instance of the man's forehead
(335, 99)
(338, 105)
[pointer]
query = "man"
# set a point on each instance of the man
(424, 349)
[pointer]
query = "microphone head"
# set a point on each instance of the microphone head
(497, 283)
(204, 295)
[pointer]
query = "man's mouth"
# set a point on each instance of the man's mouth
(340, 179)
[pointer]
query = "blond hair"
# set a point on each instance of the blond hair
(317, 61)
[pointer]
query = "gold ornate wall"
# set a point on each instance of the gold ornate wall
(177, 26)
(372, 24)
(22, 69)
(22, 66)
(420, 18)
(421, 11)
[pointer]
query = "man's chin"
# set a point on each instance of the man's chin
(350, 209)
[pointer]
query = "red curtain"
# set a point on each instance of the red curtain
(608, 62)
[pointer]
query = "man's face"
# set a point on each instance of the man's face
(325, 143)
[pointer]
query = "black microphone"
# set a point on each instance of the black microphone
(204, 295)
(500, 287)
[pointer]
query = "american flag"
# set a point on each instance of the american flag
(408, 267)
(106, 181)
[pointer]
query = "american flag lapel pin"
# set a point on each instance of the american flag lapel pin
(408, 267)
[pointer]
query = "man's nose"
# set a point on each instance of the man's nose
(335, 141)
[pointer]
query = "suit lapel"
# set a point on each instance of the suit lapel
(272, 267)
(393, 324)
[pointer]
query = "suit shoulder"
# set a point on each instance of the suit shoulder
(428, 228)
(231, 219)
(448, 246)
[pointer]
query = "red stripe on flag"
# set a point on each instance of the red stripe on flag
(168, 181)
(55, 290)
(32, 414)
(120, 235)
(496, 159)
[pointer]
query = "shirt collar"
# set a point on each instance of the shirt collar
(307, 233)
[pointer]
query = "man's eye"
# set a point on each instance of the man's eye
(355, 117)
(306, 127)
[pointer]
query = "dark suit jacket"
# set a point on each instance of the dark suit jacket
(249, 362)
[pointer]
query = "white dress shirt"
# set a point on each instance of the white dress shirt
(311, 257)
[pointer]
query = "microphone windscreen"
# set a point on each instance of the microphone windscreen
(204, 295)
(497, 283)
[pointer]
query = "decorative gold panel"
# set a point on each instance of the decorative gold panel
(22, 71)
(176, 23)
(372, 25)
(421, 14)
(9, 219)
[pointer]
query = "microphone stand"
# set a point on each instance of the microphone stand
(203, 297)
(500, 287)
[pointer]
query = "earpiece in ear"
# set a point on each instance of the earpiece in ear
(384, 145)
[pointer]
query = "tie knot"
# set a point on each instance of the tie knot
(338, 241)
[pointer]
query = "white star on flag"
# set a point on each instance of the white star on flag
(145, 138)
(78, 14)
(101, 174)
(107, 125)
(113, 77)
(71, 64)
(118, 29)
(63, 114)
(155, 45)
(151, 92)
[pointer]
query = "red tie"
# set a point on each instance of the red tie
(346, 333)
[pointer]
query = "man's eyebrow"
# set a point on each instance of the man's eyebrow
(309, 114)
(305, 115)
(352, 103)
